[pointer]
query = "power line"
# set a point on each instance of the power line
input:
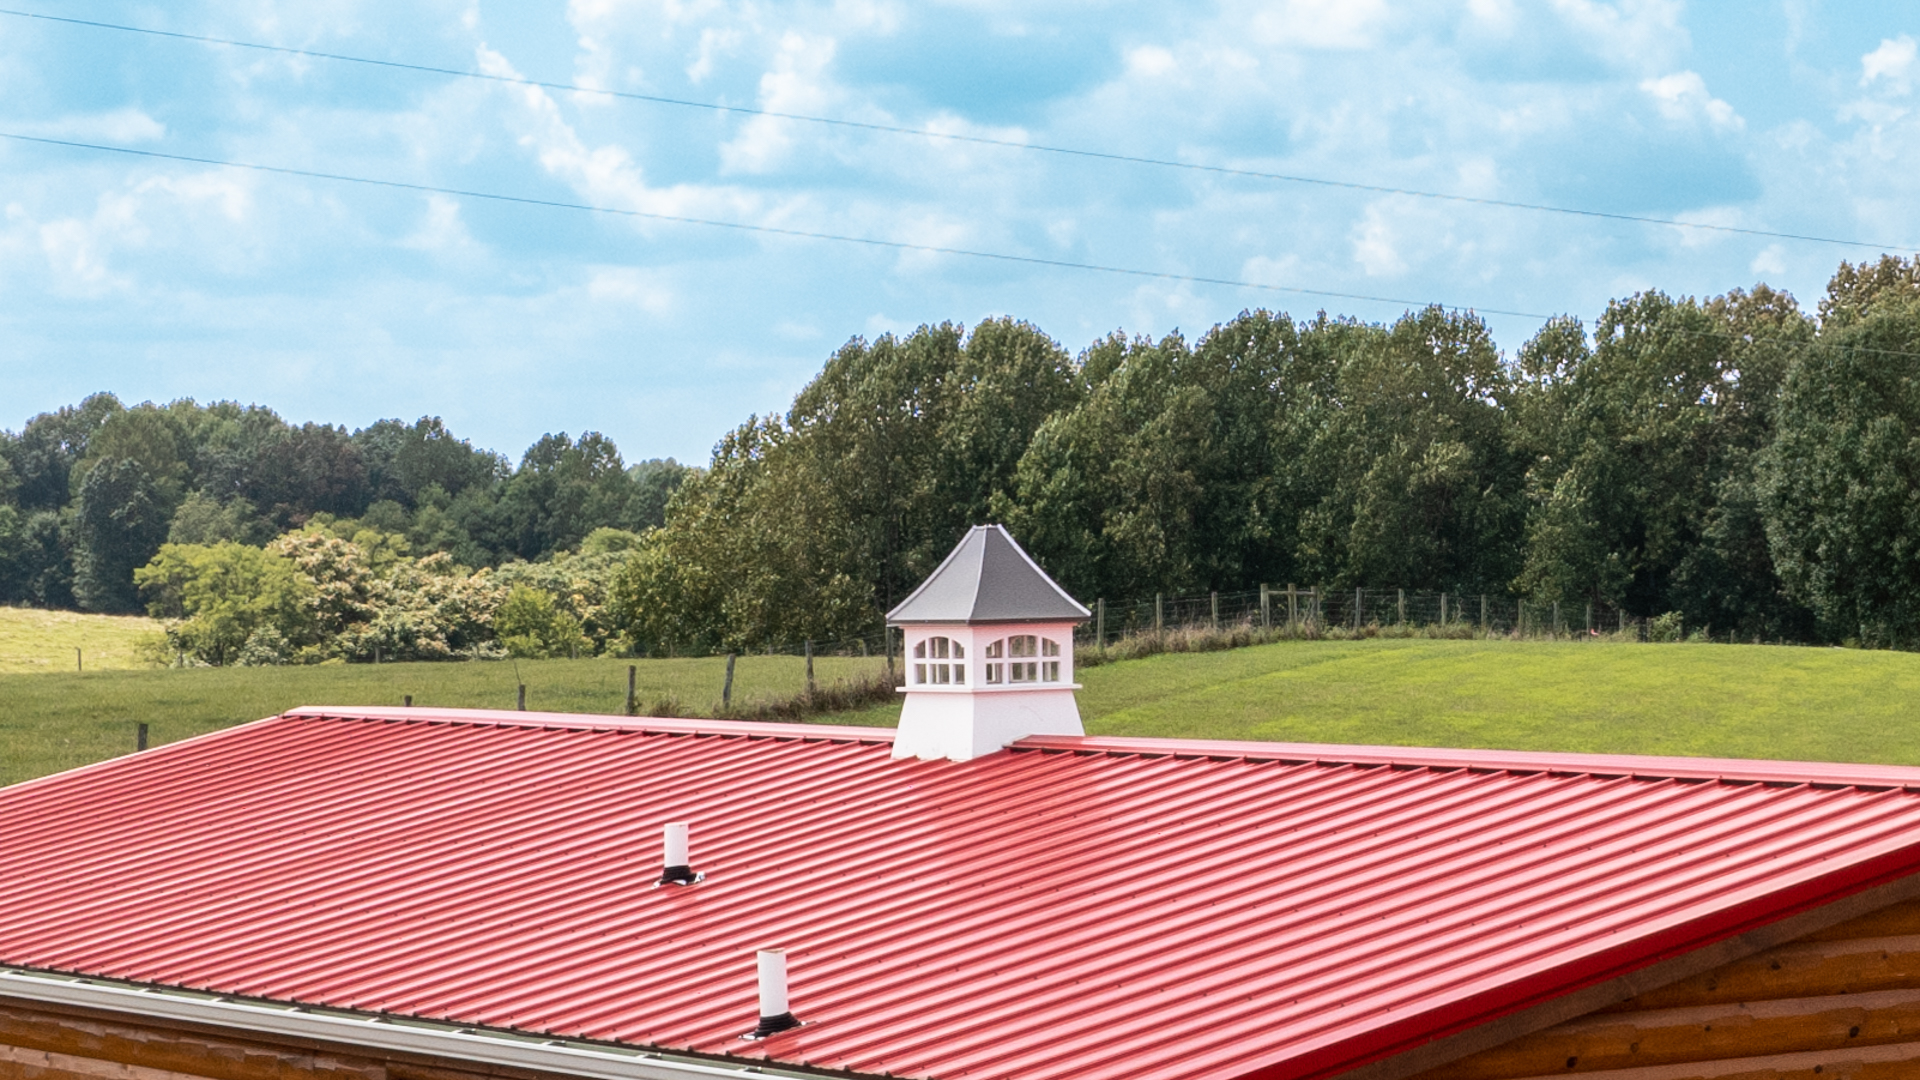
(772, 230)
(896, 245)
(981, 140)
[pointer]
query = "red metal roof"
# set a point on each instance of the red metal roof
(1070, 908)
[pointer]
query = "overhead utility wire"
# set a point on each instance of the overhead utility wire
(982, 140)
(897, 245)
(773, 230)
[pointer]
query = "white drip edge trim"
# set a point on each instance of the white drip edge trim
(351, 1030)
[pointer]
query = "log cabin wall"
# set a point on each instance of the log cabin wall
(1841, 1003)
(50, 1044)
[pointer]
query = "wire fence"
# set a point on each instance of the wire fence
(1358, 612)
(1308, 611)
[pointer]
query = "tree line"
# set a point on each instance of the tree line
(1736, 461)
(1745, 465)
(90, 493)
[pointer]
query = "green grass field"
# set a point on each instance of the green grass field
(1718, 700)
(38, 641)
(53, 722)
(1696, 700)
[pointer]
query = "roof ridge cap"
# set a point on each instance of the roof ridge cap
(1643, 766)
(593, 722)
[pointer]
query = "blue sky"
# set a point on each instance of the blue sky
(345, 304)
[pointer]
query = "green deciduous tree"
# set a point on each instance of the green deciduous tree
(1840, 485)
(1642, 453)
(120, 520)
(531, 625)
(222, 596)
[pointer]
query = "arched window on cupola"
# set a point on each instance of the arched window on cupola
(939, 672)
(1025, 659)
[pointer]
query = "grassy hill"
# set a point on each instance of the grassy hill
(38, 641)
(1720, 700)
(1699, 700)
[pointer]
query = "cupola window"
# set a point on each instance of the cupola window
(1023, 658)
(931, 666)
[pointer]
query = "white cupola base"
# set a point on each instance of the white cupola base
(965, 726)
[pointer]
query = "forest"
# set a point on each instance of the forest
(1738, 460)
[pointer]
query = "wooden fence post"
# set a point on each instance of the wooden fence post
(1159, 612)
(406, 701)
(522, 706)
(140, 736)
(1554, 630)
(1400, 605)
(1215, 597)
(1100, 622)
(1293, 605)
(1266, 607)
(809, 666)
(1443, 609)
(726, 688)
(633, 706)
(1483, 613)
(1359, 605)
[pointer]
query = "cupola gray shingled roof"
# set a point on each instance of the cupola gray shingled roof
(988, 579)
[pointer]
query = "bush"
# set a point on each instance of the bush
(531, 626)
(1668, 627)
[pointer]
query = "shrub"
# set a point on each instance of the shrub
(530, 625)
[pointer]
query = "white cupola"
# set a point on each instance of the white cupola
(989, 652)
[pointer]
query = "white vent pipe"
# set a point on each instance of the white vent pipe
(677, 867)
(776, 1014)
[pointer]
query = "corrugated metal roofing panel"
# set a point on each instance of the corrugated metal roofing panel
(1073, 908)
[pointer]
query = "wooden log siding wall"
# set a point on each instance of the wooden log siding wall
(1842, 1003)
(54, 1044)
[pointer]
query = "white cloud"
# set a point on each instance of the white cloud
(443, 233)
(1683, 97)
(714, 41)
(631, 286)
(80, 249)
(606, 175)
(1894, 62)
(1319, 24)
(1771, 262)
(1376, 245)
(1150, 61)
(797, 83)
(120, 126)
(1634, 34)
